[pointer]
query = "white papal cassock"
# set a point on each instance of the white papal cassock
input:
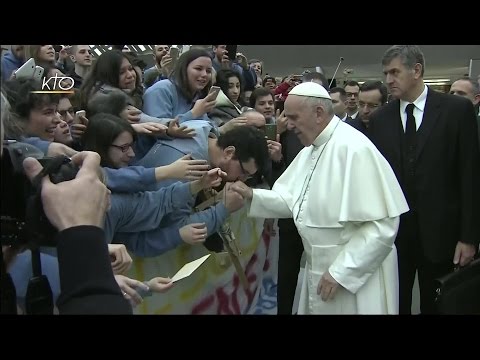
(346, 203)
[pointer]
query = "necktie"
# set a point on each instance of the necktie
(411, 127)
(409, 156)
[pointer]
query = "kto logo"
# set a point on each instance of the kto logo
(57, 85)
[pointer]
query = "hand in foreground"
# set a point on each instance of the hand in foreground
(464, 253)
(77, 130)
(204, 106)
(160, 284)
(182, 132)
(120, 258)
(275, 149)
(56, 149)
(281, 121)
(194, 233)
(229, 125)
(212, 178)
(131, 114)
(81, 201)
(150, 128)
(188, 169)
(232, 199)
(128, 287)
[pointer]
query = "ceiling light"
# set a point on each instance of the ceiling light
(435, 80)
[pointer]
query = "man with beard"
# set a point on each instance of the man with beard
(156, 72)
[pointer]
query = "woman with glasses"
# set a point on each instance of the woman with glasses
(114, 139)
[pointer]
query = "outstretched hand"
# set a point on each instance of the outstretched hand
(212, 178)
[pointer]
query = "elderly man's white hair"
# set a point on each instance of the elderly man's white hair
(315, 95)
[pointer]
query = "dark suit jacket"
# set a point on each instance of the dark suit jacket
(86, 276)
(447, 178)
(357, 124)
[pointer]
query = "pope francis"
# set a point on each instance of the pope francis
(346, 203)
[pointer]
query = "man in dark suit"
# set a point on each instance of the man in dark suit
(470, 89)
(430, 140)
(372, 95)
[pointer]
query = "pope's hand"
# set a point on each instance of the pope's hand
(242, 189)
(327, 287)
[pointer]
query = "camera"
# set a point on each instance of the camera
(23, 220)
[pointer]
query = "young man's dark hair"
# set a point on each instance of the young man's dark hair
(343, 94)
(257, 93)
(376, 85)
(264, 82)
(249, 142)
(352, 83)
(20, 94)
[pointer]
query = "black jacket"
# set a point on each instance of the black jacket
(447, 171)
(86, 276)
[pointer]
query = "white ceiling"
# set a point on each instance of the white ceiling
(442, 61)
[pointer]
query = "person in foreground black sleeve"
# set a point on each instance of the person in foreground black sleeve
(87, 282)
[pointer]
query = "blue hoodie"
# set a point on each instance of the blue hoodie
(9, 64)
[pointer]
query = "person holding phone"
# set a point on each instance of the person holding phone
(226, 57)
(161, 63)
(187, 88)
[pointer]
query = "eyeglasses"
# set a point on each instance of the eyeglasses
(123, 148)
(244, 173)
(370, 106)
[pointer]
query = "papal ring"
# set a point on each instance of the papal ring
(124, 293)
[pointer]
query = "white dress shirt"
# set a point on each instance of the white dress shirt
(418, 111)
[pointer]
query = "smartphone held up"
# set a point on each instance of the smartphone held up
(214, 90)
(271, 131)
(231, 52)
(77, 119)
